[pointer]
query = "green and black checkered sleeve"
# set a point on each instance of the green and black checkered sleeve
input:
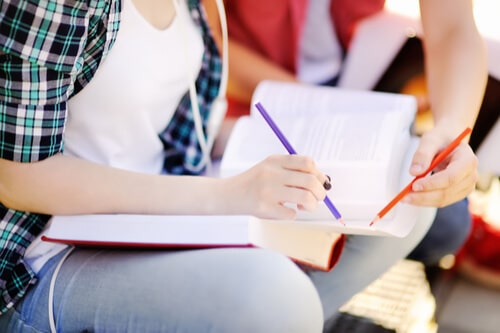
(48, 51)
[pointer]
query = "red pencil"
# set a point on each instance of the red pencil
(435, 162)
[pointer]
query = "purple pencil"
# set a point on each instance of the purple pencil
(292, 151)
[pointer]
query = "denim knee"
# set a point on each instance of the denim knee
(219, 290)
(287, 303)
(448, 232)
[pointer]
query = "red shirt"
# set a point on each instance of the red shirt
(273, 28)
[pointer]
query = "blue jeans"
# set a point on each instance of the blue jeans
(447, 234)
(212, 290)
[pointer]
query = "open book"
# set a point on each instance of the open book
(361, 139)
(315, 247)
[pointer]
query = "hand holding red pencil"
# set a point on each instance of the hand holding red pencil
(435, 162)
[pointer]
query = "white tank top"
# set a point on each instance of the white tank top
(116, 118)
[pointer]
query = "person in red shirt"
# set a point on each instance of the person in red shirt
(306, 41)
(266, 37)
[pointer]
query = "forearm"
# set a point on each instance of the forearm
(66, 185)
(456, 71)
(456, 68)
(457, 81)
(247, 69)
(246, 66)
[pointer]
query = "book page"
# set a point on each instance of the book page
(316, 247)
(361, 147)
(400, 224)
(340, 137)
(295, 99)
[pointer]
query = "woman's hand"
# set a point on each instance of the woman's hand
(264, 189)
(451, 181)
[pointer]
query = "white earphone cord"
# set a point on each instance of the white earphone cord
(219, 106)
(52, 319)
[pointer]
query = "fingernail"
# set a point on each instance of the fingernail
(417, 187)
(417, 168)
(327, 185)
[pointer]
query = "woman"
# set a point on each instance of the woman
(104, 80)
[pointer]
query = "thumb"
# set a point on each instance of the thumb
(428, 147)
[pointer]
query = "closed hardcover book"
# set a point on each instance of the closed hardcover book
(316, 247)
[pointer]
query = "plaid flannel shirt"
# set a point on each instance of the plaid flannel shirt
(48, 52)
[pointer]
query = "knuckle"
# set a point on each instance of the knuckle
(451, 179)
(475, 161)
(310, 203)
(445, 198)
(305, 163)
(305, 197)
(475, 177)
(309, 163)
(272, 158)
(310, 181)
(311, 206)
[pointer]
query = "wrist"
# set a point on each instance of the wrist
(448, 129)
